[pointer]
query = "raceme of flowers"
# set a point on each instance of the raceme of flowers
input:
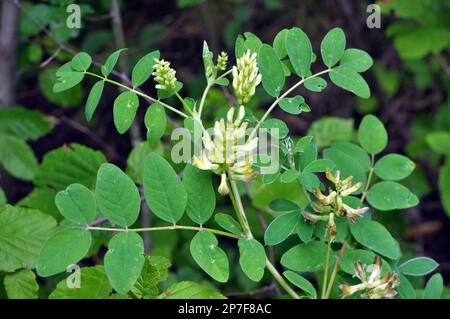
(372, 286)
(245, 77)
(228, 152)
(164, 75)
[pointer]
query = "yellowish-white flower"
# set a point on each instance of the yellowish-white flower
(245, 77)
(372, 286)
(227, 153)
(222, 61)
(164, 75)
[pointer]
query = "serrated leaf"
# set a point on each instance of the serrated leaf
(143, 68)
(156, 122)
(154, 271)
(111, 62)
(271, 70)
(93, 99)
(305, 257)
(280, 228)
(67, 80)
(252, 258)
(69, 164)
(77, 204)
(190, 290)
(93, 285)
(201, 198)
(117, 196)
(209, 256)
(301, 282)
(332, 47)
(228, 223)
(394, 167)
(17, 157)
(391, 195)
(357, 60)
(124, 261)
(351, 81)
(164, 192)
(125, 107)
(65, 248)
(419, 266)
(372, 134)
(376, 237)
(21, 285)
(23, 123)
(81, 61)
(299, 49)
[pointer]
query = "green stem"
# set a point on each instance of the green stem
(275, 103)
(333, 274)
(325, 272)
(208, 87)
(369, 179)
(184, 103)
(236, 199)
(148, 97)
(149, 229)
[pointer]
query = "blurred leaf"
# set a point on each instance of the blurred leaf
(23, 123)
(21, 285)
(439, 142)
(81, 61)
(71, 97)
(419, 266)
(190, 290)
(275, 127)
(434, 287)
(328, 129)
(17, 157)
(444, 186)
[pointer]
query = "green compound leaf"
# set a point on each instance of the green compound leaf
(93, 282)
(69, 164)
(391, 195)
(156, 122)
(154, 271)
(351, 81)
(376, 237)
(143, 68)
(228, 223)
(67, 80)
(305, 257)
(65, 248)
(372, 134)
(23, 123)
(209, 256)
(111, 62)
(77, 204)
(280, 228)
(81, 61)
(357, 60)
(17, 157)
(292, 105)
(21, 285)
(23, 232)
(117, 196)
(164, 192)
(93, 99)
(315, 84)
(201, 198)
(332, 47)
(419, 266)
(299, 49)
(271, 70)
(394, 167)
(190, 290)
(124, 110)
(434, 287)
(124, 261)
(252, 258)
(301, 282)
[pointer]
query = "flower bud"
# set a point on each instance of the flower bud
(223, 187)
(245, 77)
(164, 75)
(222, 61)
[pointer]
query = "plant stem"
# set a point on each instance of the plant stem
(369, 179)
(149, 229)
(325, 272)
(148, 97)
(274, 104)
(333, 274)
(208, 87)
(236, 199)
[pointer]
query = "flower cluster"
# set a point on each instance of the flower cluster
(164, 75)
(245, 77)
(332, 204)
(222, 61)
(227, 152)
(372, 286)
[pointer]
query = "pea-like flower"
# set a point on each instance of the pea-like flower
(245, 77)
(164, 75)
(227, 153)
(222, 61)
(372, 286)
